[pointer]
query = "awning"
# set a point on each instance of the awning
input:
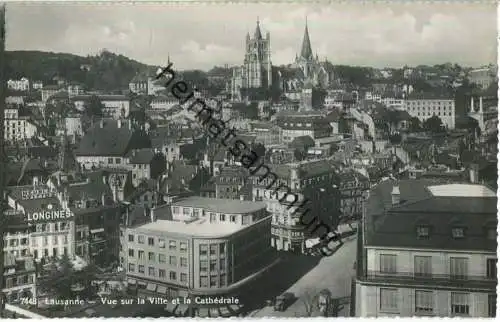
(161, 289)
(151, 287)
(182, 309)
(214, 312)
(131, 281)
(170, 307)
(203, 312)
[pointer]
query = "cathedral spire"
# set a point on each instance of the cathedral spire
(306, 51)
(257, 34)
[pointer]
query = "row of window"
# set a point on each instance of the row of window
(204, 248)
(457, 232)
(429, 114)
(160, 242)
(45, 240)
(459, 266)
(425, 302)
(205, 281)
(52, 227)
(18, 280)
(46, 253)
(204, 265)
(161, 272)
(116, 160)
(161, 258)
(16, 242)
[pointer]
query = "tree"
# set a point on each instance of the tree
(414, 124)
(94, 107)
(434, 125)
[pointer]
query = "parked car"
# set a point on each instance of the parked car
(283, 301)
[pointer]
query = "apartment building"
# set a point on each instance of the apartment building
(316, 181)
(49, 224)
(200, 246)
(19, 278)
(295, 126)
(424, 106)
(427, 250)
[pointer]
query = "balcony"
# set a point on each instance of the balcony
(436, 280)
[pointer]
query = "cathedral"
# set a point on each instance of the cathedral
(256, 73)
(313, 71)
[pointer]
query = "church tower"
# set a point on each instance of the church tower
(306, 60)
(256, 71)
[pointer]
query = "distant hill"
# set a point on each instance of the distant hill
(106, 71)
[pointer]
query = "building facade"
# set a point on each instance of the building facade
(427, 250)
(424, 108)
(206, 247)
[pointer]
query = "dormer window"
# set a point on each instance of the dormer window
(492, 233)
(458, 232)
(423, 232)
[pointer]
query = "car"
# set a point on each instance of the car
(283, 301)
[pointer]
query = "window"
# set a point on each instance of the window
(212, 217)
(151, 256)
(491, 268)
(183, 262)
(151, 271)
(424, 301)
(172, 245)
(173, 275)
(492, 305)
(45, 240)
(222, 264)
(232, 218)
(140, 254)
(110, 160)
(141, 269)
(161, 273)
(183, 277)
(203, 266)
(55, 239)
(183, 247)
(172, 260)
(458, 232)
(162, 258)
(459, 267)
(222, 281)
(213, 281)
(422, 232)
(222, 217)
(203, 281)
(387, 263)
(459, 303)
(423, 265)
(131, 252)
(131, 267)
(213, 249)
(151, 241)
(203, 249)
(130, 238)
(161, 243)
(222, 248)
(118, 160)
(388, 299)
(492, 234)
(140, 239)
(213, 264)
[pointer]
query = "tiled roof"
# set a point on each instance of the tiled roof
(141, 156)
(110, 140)
(395, 226)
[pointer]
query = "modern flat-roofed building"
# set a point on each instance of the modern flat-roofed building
(205, 247)
(427, 249)
(426, 105)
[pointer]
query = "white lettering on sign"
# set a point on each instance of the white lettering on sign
(36, 194)
(49, 214)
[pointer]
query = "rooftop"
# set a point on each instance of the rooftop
(198, 227)
(461, 190)
(225, 206)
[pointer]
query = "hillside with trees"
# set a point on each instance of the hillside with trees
(106, 71)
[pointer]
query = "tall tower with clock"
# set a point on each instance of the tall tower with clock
(256, 72)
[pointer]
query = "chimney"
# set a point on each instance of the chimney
(396, 196)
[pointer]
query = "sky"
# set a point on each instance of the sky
(200, 36)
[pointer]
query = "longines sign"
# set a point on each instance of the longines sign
(49, 215)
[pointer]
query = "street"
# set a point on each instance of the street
(334, 273)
